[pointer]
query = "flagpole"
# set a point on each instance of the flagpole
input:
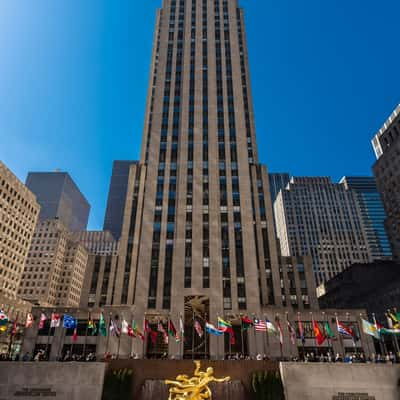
(144, 334)
(192, 335)
(119, 337)
(86, 331)
(62, 337)
(265, 338)
(315, 338)
(48, 339)
(108, 336)
(182, 331)
(168, 319)
(241, 334)
(230, 344)
(255, 336)
(394, 337)
(205, 339)
(131, 353)
(340, 337)
(369, 350)
(325, 317)
(12, 335)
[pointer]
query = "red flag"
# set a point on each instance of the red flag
(318, 334)
(42, 321)
(14, 328)
(150, 332)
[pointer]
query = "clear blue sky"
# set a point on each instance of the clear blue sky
(73, 81)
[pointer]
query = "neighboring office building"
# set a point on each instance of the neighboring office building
(374, 286)
(116, 197)
(277, 182)
(386, 144)
(317, 217)
(97, 242)
(55, 267)
(19, 212)
(372, 212)
(98, 285)
(59, 197)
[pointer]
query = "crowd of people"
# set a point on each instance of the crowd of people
(328, 357)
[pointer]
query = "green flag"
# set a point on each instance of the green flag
(102, 326)
(328, 331)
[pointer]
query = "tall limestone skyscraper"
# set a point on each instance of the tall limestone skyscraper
(198, 225)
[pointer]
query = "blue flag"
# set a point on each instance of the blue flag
(69, 322)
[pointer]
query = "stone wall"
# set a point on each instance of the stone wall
(340, 381)
(59, 381)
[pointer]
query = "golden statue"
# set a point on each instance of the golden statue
(195, 388)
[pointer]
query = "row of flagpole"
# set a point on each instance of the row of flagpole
(116, 327)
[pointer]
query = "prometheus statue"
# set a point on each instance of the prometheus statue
(195, 388)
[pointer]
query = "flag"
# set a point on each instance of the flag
(278, 324)
(102, 325)
(136, 330)
(55, 320)
(15, 327)
(42, 321)
(394, 320)
(292, 332)
(29, 321)
(114, 329)
(161, 329)
(270, 327)
(320, 338)
(69, 322)
(75, 334)
(344, 330)
(260, 325)
(226, 326)
(127, 329)
(172, 331)
(212, 330)
(181, 326)
(150, 332)
(301, 330)
(92, 326)
(124, 327)
(370, 329)
(198, 328)
(246, 323)
(3, 321)
(328, 331)
(385, 331)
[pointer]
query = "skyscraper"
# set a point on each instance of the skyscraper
(19, 212)
(277, 182)
(386, 144)
(116, 197)
(59, 197)
(372, 213)
(198, 216)
(317, 217)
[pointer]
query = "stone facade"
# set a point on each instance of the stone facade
(19, 212)
(387, 172)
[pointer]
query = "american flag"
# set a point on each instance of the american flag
(260, 325)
